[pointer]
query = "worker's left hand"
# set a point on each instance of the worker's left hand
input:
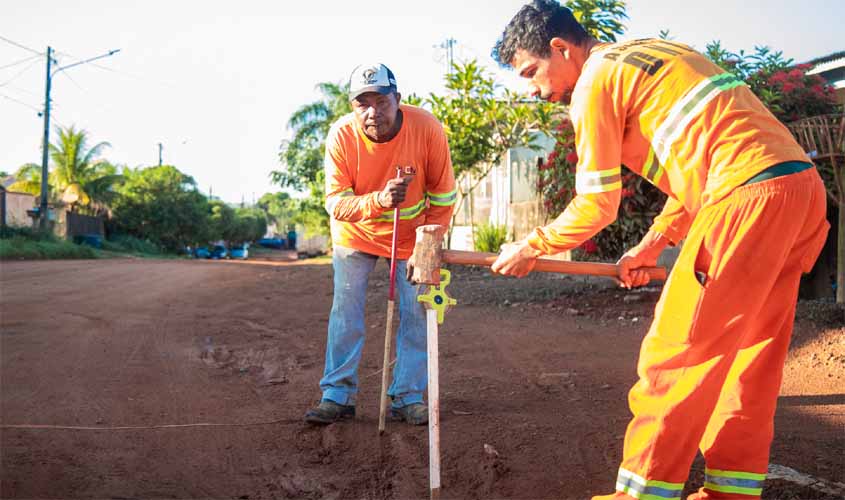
(409, 270)
(515, 259)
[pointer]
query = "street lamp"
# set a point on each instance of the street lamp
(42, 213)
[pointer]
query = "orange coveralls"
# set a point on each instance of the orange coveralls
(711, 364)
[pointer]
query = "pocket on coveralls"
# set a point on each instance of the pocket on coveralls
(677, 312)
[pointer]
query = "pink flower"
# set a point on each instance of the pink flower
(589, 246)
(778, 77)
(788, 87)
(572, 158)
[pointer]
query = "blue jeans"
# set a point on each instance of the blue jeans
(346, 333)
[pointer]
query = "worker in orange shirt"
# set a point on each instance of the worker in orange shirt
(363, 150)
(743, 197)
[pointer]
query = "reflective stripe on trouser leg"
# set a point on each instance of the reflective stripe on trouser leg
(699, 332)
(734, 482)
(636, 486)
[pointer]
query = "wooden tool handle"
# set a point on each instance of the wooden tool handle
(547, 265)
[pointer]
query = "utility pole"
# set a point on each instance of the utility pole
(42, 211)
(159, 154)
(449, 45)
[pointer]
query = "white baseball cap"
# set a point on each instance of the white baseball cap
(371, 78)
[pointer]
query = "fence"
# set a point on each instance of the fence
(13, 208)
(71, 224)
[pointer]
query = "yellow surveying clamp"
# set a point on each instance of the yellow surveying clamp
(436, 297)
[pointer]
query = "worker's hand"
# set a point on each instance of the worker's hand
(394, 192)
(643, 255)
(629, 274)
(409, 270)
(516, 259)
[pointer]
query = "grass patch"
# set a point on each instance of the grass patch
(21, 248)
(120, 246)
(23, 243)
(490, 237)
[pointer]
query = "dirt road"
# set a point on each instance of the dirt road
(537, 369)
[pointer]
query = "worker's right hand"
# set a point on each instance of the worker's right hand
(630, 276)
(643, 255)
(394, 192)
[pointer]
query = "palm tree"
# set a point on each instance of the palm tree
(302, 156)
(27, 179)
(79, 178)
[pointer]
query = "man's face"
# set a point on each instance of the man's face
(551, 78)
(376, 114)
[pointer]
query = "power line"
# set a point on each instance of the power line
(22, 90)
(20, 62)
(24, 47)
(123, 73)
(30, 106)
(74, 82)
(18, 74)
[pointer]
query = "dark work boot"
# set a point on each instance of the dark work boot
(414, 413)
(329, 412)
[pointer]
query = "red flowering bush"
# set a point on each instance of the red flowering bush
(797, 94)
(640, 200)
(785, 88)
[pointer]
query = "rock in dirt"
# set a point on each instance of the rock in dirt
(552, 379)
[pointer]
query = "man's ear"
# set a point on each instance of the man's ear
(398, 97)
(561, 46)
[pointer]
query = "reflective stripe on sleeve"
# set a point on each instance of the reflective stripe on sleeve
(443, 199)
(331, 201)
(404, 214)
(652, 170)
(598, 182)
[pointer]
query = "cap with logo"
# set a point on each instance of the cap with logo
(371, 78)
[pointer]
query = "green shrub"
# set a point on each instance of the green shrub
(23, 248)
(490, 237)
(26, 233)
(123, 243)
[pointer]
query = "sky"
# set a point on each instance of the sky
(215, 82)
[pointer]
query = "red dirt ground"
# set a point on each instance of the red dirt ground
(538, 369)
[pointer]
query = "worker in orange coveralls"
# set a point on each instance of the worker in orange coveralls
(742, 196)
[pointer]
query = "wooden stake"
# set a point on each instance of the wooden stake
(385, 371)
(388, 334)
(433, 405)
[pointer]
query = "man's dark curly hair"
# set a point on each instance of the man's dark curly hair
(534, 26)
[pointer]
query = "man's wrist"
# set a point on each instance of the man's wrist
(529, 250)
(536, 243)
(378, 201)
(652, 246)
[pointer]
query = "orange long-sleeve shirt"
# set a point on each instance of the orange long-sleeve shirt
(675, 118)
(357, 169)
